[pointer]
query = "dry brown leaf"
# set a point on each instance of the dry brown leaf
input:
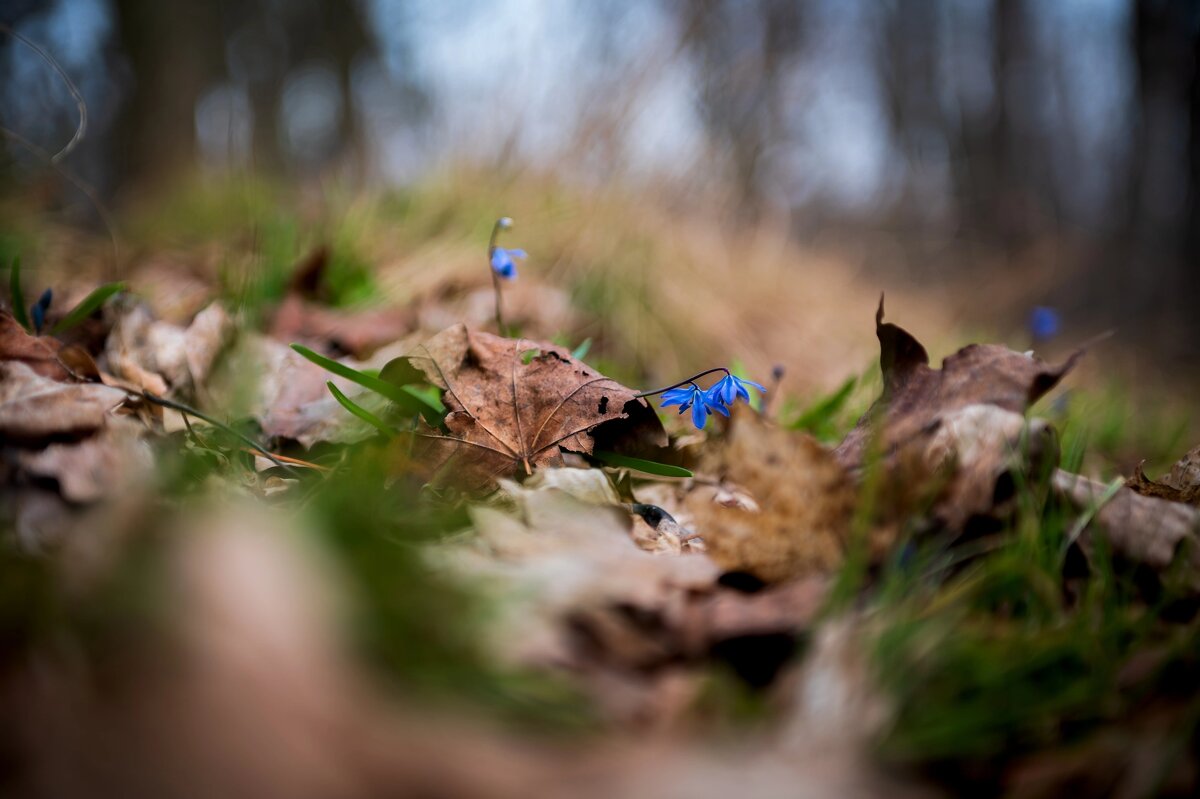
(1148, 530)
(804, 499)
(1182, 484)
(557, 566)
(34, 407)
(292, 401)
(167, 359)
(358, 333)
(111, 461)
(916, 398)
(39, 353)
(785, 609)
(515, 404)
(304, 316)
(977, 449)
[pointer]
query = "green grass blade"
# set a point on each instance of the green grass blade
(640, 464)
(819, 414)
(89, 304)
(358, 410)
(18, 296)
(582, 350)
(407, 399)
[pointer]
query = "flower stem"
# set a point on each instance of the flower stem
(691, 380)
(501, 224)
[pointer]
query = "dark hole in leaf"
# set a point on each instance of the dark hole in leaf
(1006, 489)
(642, 618)
(603, 405)
(741, 581)
(757, 659)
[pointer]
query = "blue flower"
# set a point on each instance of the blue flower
(694, 397)
(502, 262)
(1043, 323)
(729, 388)
(37, 311)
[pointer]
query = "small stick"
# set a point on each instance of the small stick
(250, 442)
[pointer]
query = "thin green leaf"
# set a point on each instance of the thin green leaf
(18, 296)
(358, 410)
(640, 464)
(87, 306)
(579, 352)
(819, 414)
(407, 399)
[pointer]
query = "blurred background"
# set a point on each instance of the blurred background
(1021, 153)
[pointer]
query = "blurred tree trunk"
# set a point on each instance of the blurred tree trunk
(1148, 269)
(741, 49)
(174, 52)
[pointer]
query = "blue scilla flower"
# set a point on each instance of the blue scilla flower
(37, 311)
(694, 397)
(729, 388)
(1044, 323)
(502, 261)
(704, 402)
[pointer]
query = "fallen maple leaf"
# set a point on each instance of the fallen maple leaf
(514, 405)
(916, 397)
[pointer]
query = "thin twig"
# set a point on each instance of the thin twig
(245, 439)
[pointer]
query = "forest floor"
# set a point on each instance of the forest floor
(287, 513)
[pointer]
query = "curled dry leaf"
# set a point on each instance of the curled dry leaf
(113, 460)
(1147, 530)
(916, 398)
(804, 501)
(570, 586)
(977, 449)
(39, 353)
(514, 405)
(34, 407)
(167, 359)
(1181, 484)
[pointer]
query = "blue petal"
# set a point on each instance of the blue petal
(699, 415)
(743, 382)
(503, 264)
(714, 400)
(517, 254)
(677, 396)
(724, 388)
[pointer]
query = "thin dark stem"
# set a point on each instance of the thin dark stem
(691, 380)
(188, 410)
(496, 290)
(496, 228)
